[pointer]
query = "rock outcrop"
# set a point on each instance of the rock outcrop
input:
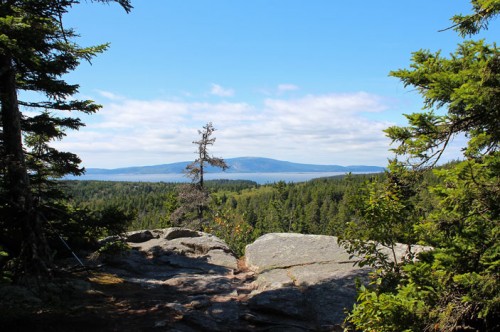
(199, 267)
(306, 276)
(287, 282)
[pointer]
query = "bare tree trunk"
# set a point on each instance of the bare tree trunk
(35, 257)
(202, 173)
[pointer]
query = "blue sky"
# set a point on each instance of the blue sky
(303, 81)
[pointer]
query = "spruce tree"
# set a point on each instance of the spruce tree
(36, 50)
(194, 197)
(455, 285)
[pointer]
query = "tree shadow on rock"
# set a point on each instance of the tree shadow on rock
(311, 307)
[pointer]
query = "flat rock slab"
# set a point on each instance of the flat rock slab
(305, 259)
(283, 250)
(309, 273)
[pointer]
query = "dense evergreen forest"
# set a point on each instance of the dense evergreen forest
(240, 211)
(150, 203)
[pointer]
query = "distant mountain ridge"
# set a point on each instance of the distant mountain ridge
(240, 165)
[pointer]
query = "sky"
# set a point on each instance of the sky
(298, 80)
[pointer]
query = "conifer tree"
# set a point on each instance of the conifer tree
(456, 285)
(36, 50)
(194, 197)
(196, 170)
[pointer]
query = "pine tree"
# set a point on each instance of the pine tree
(456, 285)
(36, 50)
(197, 169)
(194, 197)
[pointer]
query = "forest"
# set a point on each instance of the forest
(239, 211)
(453, 208)
(307, 207)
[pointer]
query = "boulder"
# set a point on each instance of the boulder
(309, 273)
(163, 253)
(177, 232)
(139, 236)
(305, 276)
(185, 247)
(282, 250)
(298, 259)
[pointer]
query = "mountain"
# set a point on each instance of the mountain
(241, 165)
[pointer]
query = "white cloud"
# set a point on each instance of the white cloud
(218, 90)
(110, 95)
(325, 129)
(287, 87)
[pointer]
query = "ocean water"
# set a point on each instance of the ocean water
(260, 178)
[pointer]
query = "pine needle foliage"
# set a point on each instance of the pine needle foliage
(455, 286)
(36, 51)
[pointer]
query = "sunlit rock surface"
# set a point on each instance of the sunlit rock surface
(286, 282)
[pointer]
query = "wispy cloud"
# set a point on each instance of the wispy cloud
(110, 95)
(327, 129)
(218, 90)
(287, 87)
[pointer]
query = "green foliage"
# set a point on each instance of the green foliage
(5, 275)
(484, 11)
(36, 52)
(455, 286)
(193, 206)
(81, 227)
(114, 248)
(383, 213)
(387, 311)
(230, 227)
(252, 210)
(112, 221)
(151, 204)
(467, 85)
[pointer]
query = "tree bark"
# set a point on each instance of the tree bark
(35, 257)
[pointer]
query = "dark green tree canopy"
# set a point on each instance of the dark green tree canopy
(42, 50)
(467, 85)
(36, 51)
(455, 285)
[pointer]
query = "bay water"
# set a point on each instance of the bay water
(260, 178)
